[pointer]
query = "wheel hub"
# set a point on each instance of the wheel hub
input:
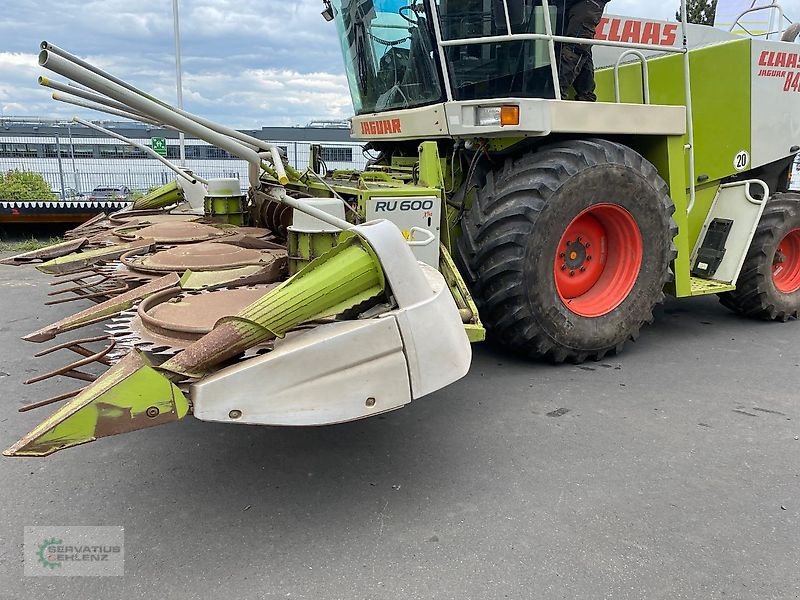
(786, 264)
(598, 260)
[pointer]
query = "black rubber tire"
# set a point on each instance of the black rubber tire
(510, 237)
(756, 295)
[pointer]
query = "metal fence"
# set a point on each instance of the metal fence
(77, 166)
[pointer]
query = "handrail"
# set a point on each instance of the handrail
(551, 48)
(552, 39)
(771, 6)
(645, 75)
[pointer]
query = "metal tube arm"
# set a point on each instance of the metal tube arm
(243, 138)
(150, 151)
(148, 107)
(111, 111)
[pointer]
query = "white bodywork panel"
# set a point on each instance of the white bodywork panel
(420, 211)
(351, 369)
(322, 376)
(538, 117)
(735, 203)
(195, 194)
(605, 117)
(775, 95)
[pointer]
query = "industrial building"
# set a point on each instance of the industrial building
(76, 159)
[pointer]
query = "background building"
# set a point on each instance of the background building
(78, 159)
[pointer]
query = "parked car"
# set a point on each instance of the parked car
(70, 194)
(110, 193)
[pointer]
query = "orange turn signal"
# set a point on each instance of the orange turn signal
(509, 115)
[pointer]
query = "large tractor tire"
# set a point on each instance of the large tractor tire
(769, 284)
(567, 249)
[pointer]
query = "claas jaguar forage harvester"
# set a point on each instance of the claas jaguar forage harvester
(490, 206)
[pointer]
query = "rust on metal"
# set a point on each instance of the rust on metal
(74, 263)
(178, 232)
(49, 401)
(105, 310)
(129, 396)
(71, 369)
(204, 256)
(45, 254)
(95, 296)
(277, 217)
(195, 313)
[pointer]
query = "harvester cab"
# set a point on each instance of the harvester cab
(489, 204)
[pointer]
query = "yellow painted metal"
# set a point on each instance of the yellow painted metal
(226, 209)
(704, 287)
(129, 396)
(304, 247)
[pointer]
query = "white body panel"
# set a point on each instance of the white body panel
(195, 194)
(775, 101)
(420, 211)
(322, 376)
(351, 369)
(735, 203)
(537, 118)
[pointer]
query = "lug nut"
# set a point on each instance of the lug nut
(588, 245)
(563, 267)
(152, 412)
(235, 414)
(588, 258)
(562, 255)
(572, 273)
(583, 269)
(370, 402)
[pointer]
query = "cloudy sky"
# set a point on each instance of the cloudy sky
(246, 64)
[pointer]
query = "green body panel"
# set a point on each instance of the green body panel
(721, 107)
(225, 209)
(667, 155)
(166, 195)
(721, 102)
(305, 247)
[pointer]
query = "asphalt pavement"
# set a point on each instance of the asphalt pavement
(671, 471)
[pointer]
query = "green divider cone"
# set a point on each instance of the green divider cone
(158, 198)
(342, 278)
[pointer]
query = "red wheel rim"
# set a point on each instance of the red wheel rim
(598, 260)
(786, 265)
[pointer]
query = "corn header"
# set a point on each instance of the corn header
(323, 296)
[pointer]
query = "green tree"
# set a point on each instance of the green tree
(699, 11)
(24, 185)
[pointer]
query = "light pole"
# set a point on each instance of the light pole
(178, 76)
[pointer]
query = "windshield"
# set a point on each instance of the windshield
(493, 70)
(388, 54)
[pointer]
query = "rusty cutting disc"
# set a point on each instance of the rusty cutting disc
(167, 322)
(206, 256)
(172, 232)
